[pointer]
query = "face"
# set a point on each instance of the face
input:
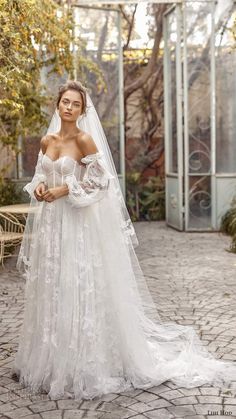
(70, 105)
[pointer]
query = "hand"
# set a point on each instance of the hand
(41, 188)
(54, 193)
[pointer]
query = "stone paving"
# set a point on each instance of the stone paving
(193, 281)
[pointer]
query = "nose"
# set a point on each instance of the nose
(69, 106)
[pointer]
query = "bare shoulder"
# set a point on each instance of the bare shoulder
(86, 143)
(84, 138)
(45, 141)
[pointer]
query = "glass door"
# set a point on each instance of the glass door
(173, 118)
(199, 99)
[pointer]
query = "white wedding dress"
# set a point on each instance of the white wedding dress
(85, 330)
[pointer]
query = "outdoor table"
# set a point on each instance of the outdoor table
(19, 210)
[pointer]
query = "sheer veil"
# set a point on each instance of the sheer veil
(90, 123)
(153, 350)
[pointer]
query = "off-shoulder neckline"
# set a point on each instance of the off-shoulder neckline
(98, 154)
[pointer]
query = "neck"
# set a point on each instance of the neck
(68, 129)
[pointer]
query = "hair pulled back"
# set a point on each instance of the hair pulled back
(78, 87)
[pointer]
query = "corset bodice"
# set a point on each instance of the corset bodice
(57, 170)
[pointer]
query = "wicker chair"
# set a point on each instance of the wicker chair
(11, 233)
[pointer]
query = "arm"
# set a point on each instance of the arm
(96, 178)
(94, 185)
(87, 146)
(39, 177)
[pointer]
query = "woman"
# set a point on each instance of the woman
(87, 326)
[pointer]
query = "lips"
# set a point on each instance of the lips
(67, 113)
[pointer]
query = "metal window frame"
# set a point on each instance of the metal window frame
(179, 112)
(213, 120)
(122, 172)
(186, 130)
(212, 173)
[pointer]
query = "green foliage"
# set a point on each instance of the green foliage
(9, 194)
(153, 199)
(90, 73)
(228, 225)
(145, 200)
(36, 34)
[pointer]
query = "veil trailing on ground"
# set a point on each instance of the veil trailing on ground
(152, 351)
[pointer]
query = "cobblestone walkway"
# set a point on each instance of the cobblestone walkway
(193, 281)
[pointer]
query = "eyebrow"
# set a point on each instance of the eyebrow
(75, 101)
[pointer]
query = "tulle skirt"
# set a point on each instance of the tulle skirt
(86, 329)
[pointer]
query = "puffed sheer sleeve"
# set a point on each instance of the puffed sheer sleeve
(38, 177)
(94, 185)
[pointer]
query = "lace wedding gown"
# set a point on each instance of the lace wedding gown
(85, 331)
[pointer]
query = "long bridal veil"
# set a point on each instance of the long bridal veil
(90, 123)
(154, 350)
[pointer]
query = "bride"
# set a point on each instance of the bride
(90, 325)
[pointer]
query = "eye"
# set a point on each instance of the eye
(65, 101)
